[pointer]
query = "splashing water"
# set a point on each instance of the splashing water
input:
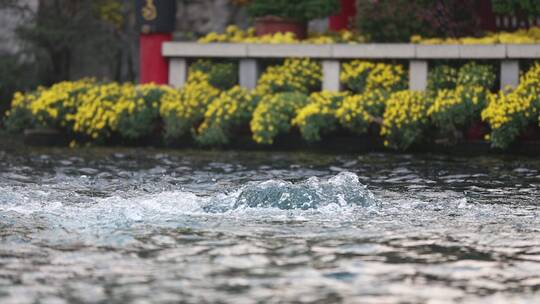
(341, 190)
(333, 197)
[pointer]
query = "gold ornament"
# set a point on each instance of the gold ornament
(149, 11)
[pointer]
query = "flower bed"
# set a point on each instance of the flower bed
(233, 34)
(211, 111)
(524, 36)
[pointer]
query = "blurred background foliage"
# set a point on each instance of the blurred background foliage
(68, 39)
(398, 20)
(526, 7)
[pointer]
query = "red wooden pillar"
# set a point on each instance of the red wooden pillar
(156, 22)
(343, 20)
(153, 66)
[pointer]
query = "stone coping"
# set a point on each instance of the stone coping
(349, 51)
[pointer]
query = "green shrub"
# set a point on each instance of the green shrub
(228, 112)
(185, 110)
(221, 75)
(442, 77)
(294, 75)
(529, 7)
(473, 74)
(141, 121)
(360, 76)
(391, 20)
(15, 75)
(49, 107)
(509, 113)
(357, 112)
(273, 115)
(319, 115)
(304, 10)
(18, 119)
(405, 119)
(453, 110)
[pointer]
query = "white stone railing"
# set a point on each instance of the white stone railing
(330, 55)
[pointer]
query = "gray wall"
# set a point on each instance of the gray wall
(203, 16)
(9, 20)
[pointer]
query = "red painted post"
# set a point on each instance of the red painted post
(156, 22)
(344, 19)
(153, 66)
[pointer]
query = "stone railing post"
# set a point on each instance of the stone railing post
(509, 73)
(418, 75)
(248, 71)
(178, 68)
(331, 70)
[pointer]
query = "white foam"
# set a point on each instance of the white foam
(338, 198)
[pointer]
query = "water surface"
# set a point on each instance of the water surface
(149, 226)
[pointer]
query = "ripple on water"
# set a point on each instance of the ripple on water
(168, 228)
